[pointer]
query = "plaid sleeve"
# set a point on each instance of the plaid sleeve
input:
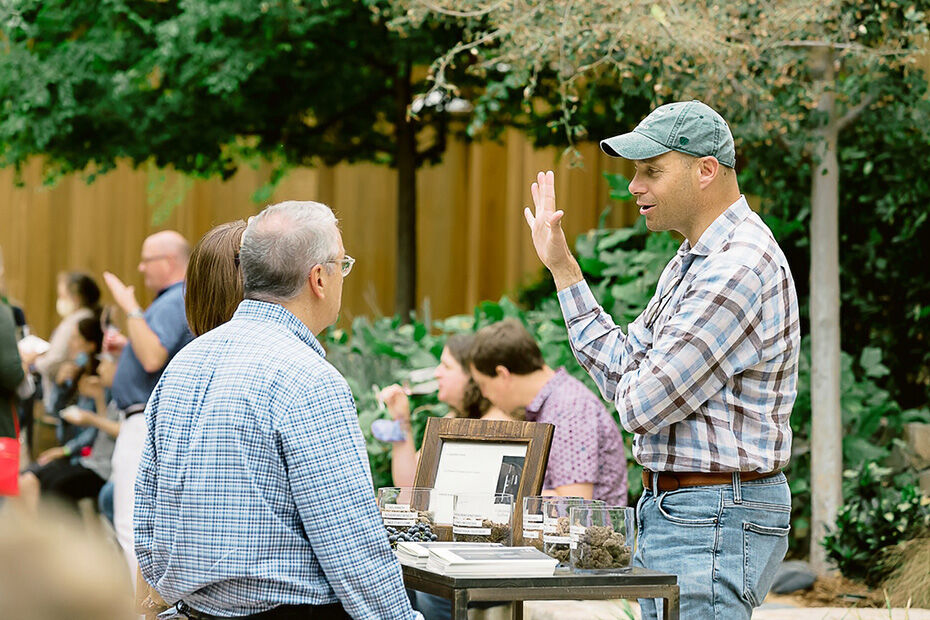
(328, 471)
(598, 343)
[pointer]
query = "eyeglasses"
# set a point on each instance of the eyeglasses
(148, 259)
(345, 264)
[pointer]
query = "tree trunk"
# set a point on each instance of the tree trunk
(406, 281)
(826, 412)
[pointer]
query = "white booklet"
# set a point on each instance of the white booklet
(417, 553)
(491, 562)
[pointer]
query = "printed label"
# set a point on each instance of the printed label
(467, 520)
(476, 531)
(557, 540)
(528, 518)
(530, 534)
(396, 507)
(394, 521)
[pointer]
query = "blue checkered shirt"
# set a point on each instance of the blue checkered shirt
(254, 488)
(707, 375)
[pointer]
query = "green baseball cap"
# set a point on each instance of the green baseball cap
(689, 127)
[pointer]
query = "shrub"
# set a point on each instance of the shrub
(879, 513)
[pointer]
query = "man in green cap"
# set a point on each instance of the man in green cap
(705, 378)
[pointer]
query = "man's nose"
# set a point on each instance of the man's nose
(636, 187)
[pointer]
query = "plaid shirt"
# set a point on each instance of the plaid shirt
(707, 375)
(254, 488)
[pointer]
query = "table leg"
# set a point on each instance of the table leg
(671, 605)
(460, 605)
(517, 610)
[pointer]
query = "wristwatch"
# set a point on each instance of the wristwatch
(136, 314)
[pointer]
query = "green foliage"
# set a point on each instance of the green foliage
(879, 513)
(872, 421)
(377, 354)
(203, 86)
(884, 232)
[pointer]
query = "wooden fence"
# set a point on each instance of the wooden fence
(472, 240)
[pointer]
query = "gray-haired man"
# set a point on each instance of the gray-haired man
(254, 497)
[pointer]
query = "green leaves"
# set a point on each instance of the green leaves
(879, 513)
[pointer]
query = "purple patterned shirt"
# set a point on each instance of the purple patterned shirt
(586, 444)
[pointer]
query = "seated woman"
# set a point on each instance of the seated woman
(72, 479)
(456, 389)
(78, 297)
(84, 347)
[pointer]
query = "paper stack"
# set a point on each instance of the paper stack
(490, 562)
(417, 553)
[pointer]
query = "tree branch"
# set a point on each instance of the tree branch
(855, 111)
(858, 47)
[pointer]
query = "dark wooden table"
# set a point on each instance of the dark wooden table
(563, 585)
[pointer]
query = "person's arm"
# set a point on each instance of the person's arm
(11, 367)
(715, 333)
(404, 455)
(94, 422)
(83, 439)
(149, 350)
(47, 364)
(329, 474)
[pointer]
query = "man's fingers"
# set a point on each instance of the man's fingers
(529, 217)
(534, 190)
(555, 219)
(548, 190)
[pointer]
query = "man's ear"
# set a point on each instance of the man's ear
(707, 168)
(316, 281)
(502, 371)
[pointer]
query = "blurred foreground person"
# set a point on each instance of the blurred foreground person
(254, 495)
(52, 567)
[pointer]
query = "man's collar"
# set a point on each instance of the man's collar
(533, 409)
(713, 239)
(168, 288)
(255, 310)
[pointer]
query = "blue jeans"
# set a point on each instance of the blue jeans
(724, 542)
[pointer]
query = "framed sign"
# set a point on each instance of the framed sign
(461, 455)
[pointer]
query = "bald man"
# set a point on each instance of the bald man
(154, 336)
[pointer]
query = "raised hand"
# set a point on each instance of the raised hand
(548, 238)
(125, 296)
(395, 399)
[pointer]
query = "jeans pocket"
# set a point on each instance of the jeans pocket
(694, 508)
(764, 548)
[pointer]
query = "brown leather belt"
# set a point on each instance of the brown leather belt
(672, 481)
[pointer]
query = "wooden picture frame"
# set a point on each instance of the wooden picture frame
(535, 436)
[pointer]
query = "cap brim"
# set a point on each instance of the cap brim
(633, 145)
